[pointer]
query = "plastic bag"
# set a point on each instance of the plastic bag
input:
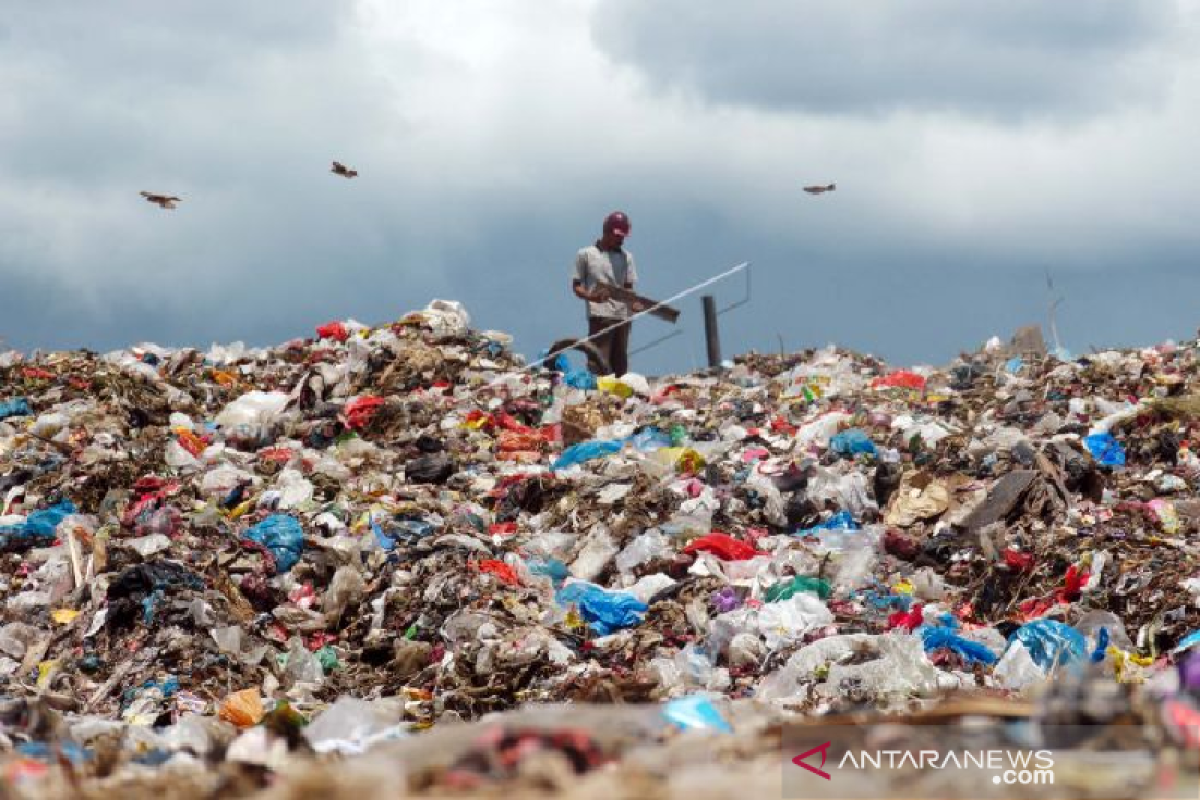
(333, 330)
(687, 461)
(902, 671)
(695, 712)
(841, 521)
(851, 442)
(651, 545)
(283, 536)
(1051, 643)
(243, 709)
(1016, 669)
(789, 621)
(253, 409)
(1189, 674)
(46, 521)
(612, 385)
(586, 451)
(1164, 511)
(38, 528)
(801, 583)
(551, 568)
(576, 378)
(433, 468)
(294, 489)
(604, 611)
(350, 726)
(723, 546)
(447, 318)
(15, 407)
(345, 590)
(361, 410)
(1105, 449)
(935, 638)
(504, 572)
(1188, 642)
(649, 440)
(900, 379)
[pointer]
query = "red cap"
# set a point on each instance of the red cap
(617, 222)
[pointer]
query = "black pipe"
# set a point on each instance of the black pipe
(711, 334)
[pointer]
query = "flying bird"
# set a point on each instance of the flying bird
(161, 200)
(341, 169)
(820, 189)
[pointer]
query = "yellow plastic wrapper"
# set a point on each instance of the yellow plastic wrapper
(243, 709)
(689, 461)
(239, 510)
(611, 385)
(46, 670)
(679, 459)
(64, 616)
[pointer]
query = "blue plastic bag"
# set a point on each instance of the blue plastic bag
(16, 407)
(283, 536)
(852, 442)
(45, 522)
(1050, 643)
(604, 611)
(649, 440)
(695, 712)
(553, 569)
(578, 378)
(935, 638)
(51, 754)
(1105, 449)
(841, 521)
(38, 525)
(1188, 642)
(385, 542)
(1101, 646)
(586, 451)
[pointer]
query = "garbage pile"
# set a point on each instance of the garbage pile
(219, 564)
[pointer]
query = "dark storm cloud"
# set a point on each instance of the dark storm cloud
(490, 150)
(1008, 59)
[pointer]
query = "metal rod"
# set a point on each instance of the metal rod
(711, 335)
(745, 299)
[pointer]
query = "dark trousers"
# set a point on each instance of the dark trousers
(613, 345)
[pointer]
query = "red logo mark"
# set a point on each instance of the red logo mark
(824, 751)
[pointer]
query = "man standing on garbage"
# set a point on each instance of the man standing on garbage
(597, 266)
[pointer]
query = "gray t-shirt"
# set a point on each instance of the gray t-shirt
(613, 267)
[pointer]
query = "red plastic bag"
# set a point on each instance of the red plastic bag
(907, 619)
(333, 330)
(1018, 561)
(503, 529)
(360, 410)
(1073, 585)
(781, 425)
(900, 380)
(278, 455)
(723, 546)
(512, 441)
(501, 570)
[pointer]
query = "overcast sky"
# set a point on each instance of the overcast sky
(975, 146)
